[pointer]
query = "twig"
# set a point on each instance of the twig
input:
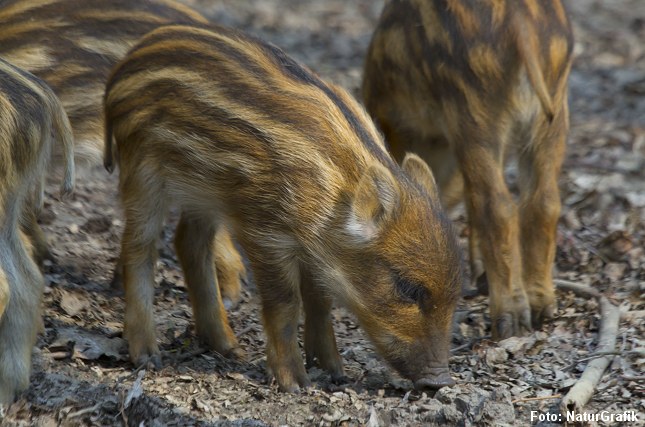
(124, 416)
(470, 344)
(461, 347)
(84, 411)
(605, 353)
(591, 249)
(583, 389)
(246, 330)
(135, 392)
(531, 399)
(633, 377)
(577, 288)
(593, 166)
(594, 355)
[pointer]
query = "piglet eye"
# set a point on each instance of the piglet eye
(409, 291)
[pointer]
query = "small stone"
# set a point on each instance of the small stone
(495, 355)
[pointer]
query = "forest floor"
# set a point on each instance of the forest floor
(81, 373)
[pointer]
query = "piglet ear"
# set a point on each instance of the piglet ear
(374, 202)
(420, 173)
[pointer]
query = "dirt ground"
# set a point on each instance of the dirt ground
(81, 375)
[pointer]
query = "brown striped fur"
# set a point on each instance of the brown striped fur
(237, 133)
(72, 45)
(468, 84)
(31, 119)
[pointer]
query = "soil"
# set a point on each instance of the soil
(81, 375)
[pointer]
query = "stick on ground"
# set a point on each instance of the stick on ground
(581, 392)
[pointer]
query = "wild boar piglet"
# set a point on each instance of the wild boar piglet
(31, 120)
(72, 45)
(467, 85)
(236, 133)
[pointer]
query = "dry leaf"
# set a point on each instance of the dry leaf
(73, 303)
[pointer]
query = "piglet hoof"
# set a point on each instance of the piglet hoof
(502, 327)
(228, 303)
(43, 254)
(511, 324)
(148, 361)
(482, 286)
(235, 353)
(332, 364)
(116, 284)
(289, 388)
(230, 291)
(339, 378)
(9, 393)
(540, 315)
(434, 379)
(478, 286)
(290, 379)
(294, 386)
